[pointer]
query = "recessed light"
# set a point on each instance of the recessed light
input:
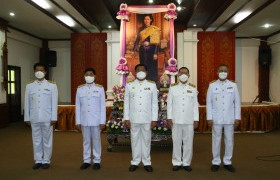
(42, 3)
(12, 14)
(66, 20)
(194, 25)
(109, 27)
(267, 25)
(179, 8)
(240, 16)
(151, 1)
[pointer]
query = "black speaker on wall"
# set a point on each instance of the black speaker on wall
(265, 56)
(51, 58)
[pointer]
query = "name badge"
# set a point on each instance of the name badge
(95, 91)
(189, 91)
(46, 89)
(133, 87)
(229, 88)
(147, 88)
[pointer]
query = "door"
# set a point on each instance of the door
(14, 93)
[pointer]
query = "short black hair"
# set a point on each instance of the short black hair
(90, 69)
(151, 17)
(141, 65)
(220, 65)
(184, 68)
(40, 64)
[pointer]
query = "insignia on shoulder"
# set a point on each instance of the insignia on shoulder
(192, 85)
(189, 91)
(81, 85)
(174, 84)
(98, 85)
(130, 82)
(51, 82)
(212, 81)
(151, 81)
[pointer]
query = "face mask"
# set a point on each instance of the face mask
(89, 79)
(223, 75)
(39, 75)
(183, 78)
(141, 75)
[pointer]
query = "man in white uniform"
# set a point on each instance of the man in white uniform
(140, 114)
(183, 117)
(223, 113)
(40, 111)
(90, 118)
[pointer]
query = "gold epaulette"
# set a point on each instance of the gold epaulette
(212, 81)
(98, 85)
(174, 84)
(130, 82)
(192, 85)
(151, 81)
(81, 85)
(51, 82)
(31, 82)
(232, 81)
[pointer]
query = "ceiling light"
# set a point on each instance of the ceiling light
(42, 3)
(109, 27)
(240, 16)
(12, 14)
(267, 25)
(179, 8)
(66, 20)
(151, 1)
(194, 25)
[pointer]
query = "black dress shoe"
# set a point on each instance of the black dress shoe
(148, 168)
(45, 166)
(187, 168)
(230, 168)
(133, 168)
(96, 166)
(176, 168)
(37, 166)
(215, 168)
(84, 166)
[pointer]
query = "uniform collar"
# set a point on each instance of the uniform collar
(90, 85)
(141, 82)
(183, 85)
(40, 82)
(222, 82)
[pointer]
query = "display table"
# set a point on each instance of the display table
(261, 118)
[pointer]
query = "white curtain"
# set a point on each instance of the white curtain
(2, 91)
(2, 41)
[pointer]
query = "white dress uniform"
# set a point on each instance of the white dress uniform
(40, 109)
(182, 109)
(223, 107)
(90, 113)
(141, 108)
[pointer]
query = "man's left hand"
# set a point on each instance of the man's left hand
(155, 56)
(153, 124)
(102, 126)
(236, 123)
(53, 122)
(195, 124)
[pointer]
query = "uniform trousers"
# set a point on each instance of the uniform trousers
(216, 143)
(182, 135)
(42, 137)
(141, 143)
(91, 138)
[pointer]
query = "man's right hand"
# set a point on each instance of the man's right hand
(78, 126)
(28, 123)
(169, 123)
(127, 124)
(210, 123)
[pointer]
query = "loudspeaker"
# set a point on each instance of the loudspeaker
(265, 56)
(51, 58)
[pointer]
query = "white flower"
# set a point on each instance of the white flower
(116, 127)
(155, 128)
(165, 129)
(107, 125)
(115, 123)
(122, 127)
(159, 128)
(113, 126)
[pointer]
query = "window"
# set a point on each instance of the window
(11, 82)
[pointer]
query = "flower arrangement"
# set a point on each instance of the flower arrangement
(123, 14)
(172, 69)
(171, 13)
(115, 126)
(122, 68)
(162, 128)
(118, 92)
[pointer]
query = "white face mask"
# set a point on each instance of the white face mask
(223, 75)
(39, 75)
(183, 78)
(89, 79)
(141, 75)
